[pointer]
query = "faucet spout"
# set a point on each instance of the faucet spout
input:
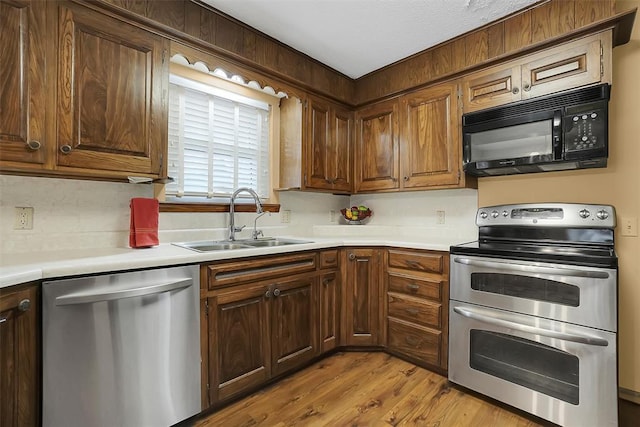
(232, 225)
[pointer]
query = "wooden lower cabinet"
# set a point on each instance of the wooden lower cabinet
(362, 308)
(329, 311)
(263, 319)
(20, 356)
(417, 300)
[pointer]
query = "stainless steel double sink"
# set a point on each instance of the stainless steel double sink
(225, 245)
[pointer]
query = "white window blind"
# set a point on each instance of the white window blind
(218, 141)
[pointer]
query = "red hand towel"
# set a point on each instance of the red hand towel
(143, 230)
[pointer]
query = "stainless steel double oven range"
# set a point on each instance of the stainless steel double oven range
(533, 311)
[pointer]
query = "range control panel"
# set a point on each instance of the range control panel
(585, 128)
(548, 215)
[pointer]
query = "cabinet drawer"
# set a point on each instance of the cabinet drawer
(329, 259)
(416, 287)
(418, 261)
(236, 272)
(415, 341)
(415, 310)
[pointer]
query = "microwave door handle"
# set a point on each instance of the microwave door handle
(504, 322)
(525, 268)
(557, 131)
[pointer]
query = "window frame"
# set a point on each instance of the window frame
(221, 204)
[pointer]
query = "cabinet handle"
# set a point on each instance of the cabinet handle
(24, 305)
(65, 149)
(526, 87)
(406, 178)
(352, 256)
(326, 282)
(3, 319)
(34, 145)
(412, 311)
(411, 340)
(276, 292)
(268, 294)
(412, 263)
(515, 91)
(330, 260)
(413, 287)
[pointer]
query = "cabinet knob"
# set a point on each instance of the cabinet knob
(406, 178)
(24, 305)
(413, 287)
(412, 341)
(526, 87)
(34, 145)
(352, 256)
(326, 282)
(412, 311)
(268, 293)
(276, 292)
(65, 149)
(515, 91)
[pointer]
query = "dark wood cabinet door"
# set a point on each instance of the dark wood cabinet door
(112, 87)
(19, 358)
(377, 164)
(294, 323)
(319, 145)
(328, 137)
(342, 155)
(430, 137)
(329, 311)
(361, 305)
(239, 344)
(22, 83)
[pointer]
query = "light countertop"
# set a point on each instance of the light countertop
(27, 267)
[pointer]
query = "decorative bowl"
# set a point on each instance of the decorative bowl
(356, 215)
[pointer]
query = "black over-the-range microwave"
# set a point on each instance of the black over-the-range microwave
(567, 130)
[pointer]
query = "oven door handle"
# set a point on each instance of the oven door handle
(525, 268)
(579, 338)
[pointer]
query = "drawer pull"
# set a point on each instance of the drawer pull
(411, 340)
(330, 261)
(3, 319)
(413, 287)
(412, 311)
(326, 282)
(413, 263)
(34, 145)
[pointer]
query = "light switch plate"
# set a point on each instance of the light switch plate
(629, 226)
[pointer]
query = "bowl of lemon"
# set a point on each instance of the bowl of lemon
(356, 215)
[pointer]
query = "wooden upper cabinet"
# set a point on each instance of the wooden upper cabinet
(112, 88)
(430, 137)
(376, 152)
(329, 132)
(22, 83)
(582, 62)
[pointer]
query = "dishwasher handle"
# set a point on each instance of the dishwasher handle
(92, 297)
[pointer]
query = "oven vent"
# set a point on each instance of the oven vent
(580, 96)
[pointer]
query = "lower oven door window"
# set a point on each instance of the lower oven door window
(535, 366)
(558, 371)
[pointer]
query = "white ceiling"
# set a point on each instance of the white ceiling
(356, 37)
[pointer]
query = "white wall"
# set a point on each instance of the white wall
(72, 214)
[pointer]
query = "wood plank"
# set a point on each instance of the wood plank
(364, 389)
(587, 12)
(517, 32)
(476, 48)
(495, 39)
(552, 19)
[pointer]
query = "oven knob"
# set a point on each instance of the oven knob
(584, 117)
(576, 118)
(483, 215)
(584, 138)
(494, 214)
(505, 214)
(594, 115)
(584, 213)
(602, 214)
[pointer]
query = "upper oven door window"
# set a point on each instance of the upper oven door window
(527, 287)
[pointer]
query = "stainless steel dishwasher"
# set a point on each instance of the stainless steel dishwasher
(122, 349)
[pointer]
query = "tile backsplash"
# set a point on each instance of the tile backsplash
(75, 214)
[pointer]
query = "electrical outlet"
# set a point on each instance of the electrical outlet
(285, 217)
(629, 226)
(23, 219)
(439, 217)
(332, 216)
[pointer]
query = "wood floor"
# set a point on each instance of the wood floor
(363, 389)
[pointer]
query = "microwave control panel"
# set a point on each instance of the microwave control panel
(586, 129)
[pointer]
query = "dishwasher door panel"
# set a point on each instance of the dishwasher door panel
(122, 349)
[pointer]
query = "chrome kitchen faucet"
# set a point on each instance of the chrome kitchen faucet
(232, 227)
